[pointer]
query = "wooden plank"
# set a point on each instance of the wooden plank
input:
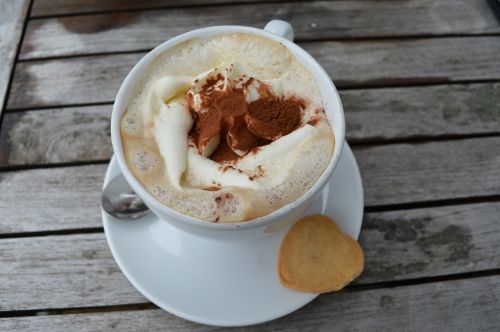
(413, 112)
(61, 272)
(407, 173)
(392, 174)
(428, 307)
(69, 81)
(50, 199)
(12, 15)
(393, 62)
(411, 244)
(95, 79)
(56, 136)
(78, 270)
(81, 134)
(53, 8)
(133, 31)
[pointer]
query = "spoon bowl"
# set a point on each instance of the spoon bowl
(118, 200)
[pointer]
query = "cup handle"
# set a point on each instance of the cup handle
(280, 28)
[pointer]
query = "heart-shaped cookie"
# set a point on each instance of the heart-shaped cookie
(315, 256)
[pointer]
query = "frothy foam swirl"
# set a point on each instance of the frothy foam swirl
(227, 129)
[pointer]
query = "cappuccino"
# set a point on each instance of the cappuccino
(227, 129)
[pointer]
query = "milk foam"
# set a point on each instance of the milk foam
(155, 128)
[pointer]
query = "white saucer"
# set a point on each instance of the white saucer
(223, 283)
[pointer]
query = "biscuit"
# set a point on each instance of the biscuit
(315, 256)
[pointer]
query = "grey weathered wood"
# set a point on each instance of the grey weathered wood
(62, 7)
(393, 62)
(60, 272)
(350, 64)
(78, 270)
(392, 174)
(128, 31)
(432, 111)
(69, 81)
(461, 305)
(82, 133)
(58, 135)
(12, 15)
(50, 199)
(406, 173)
(410, 244)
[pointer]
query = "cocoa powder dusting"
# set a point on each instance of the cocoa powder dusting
(208, 125)
(231, 103)
(242, 127)
(240, 138)
(273, 117)
(211, 82)
(313, 121)
(224, 154)
(213, 188)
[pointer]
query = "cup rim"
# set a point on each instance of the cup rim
(152, 201)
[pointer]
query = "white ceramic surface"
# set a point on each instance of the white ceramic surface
(223, 283)
(260, 226)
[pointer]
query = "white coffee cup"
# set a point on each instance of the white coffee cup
(275, 30)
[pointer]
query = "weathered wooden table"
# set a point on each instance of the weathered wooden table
(420, 83)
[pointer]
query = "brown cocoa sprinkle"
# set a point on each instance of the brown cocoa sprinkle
(241, 127)
(211, 82)
(255, 150)
(212, 188)
(229, 103)
(239, 137)
(313, 121)
(259, 172)
(271, 118)
(248, 82)
(207, 126)
(223, 153)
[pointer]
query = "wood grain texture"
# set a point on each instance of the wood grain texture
(81, 134)
(393, 62)
(412, 112)
(50, 199)
(60, 272)
(78, 270)
(70, 81)
(132, 31)
(405, 173)
(12, 15)
(410, 244)
(350, 64)
(460, 305)
(64, 7)
(56, 136)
